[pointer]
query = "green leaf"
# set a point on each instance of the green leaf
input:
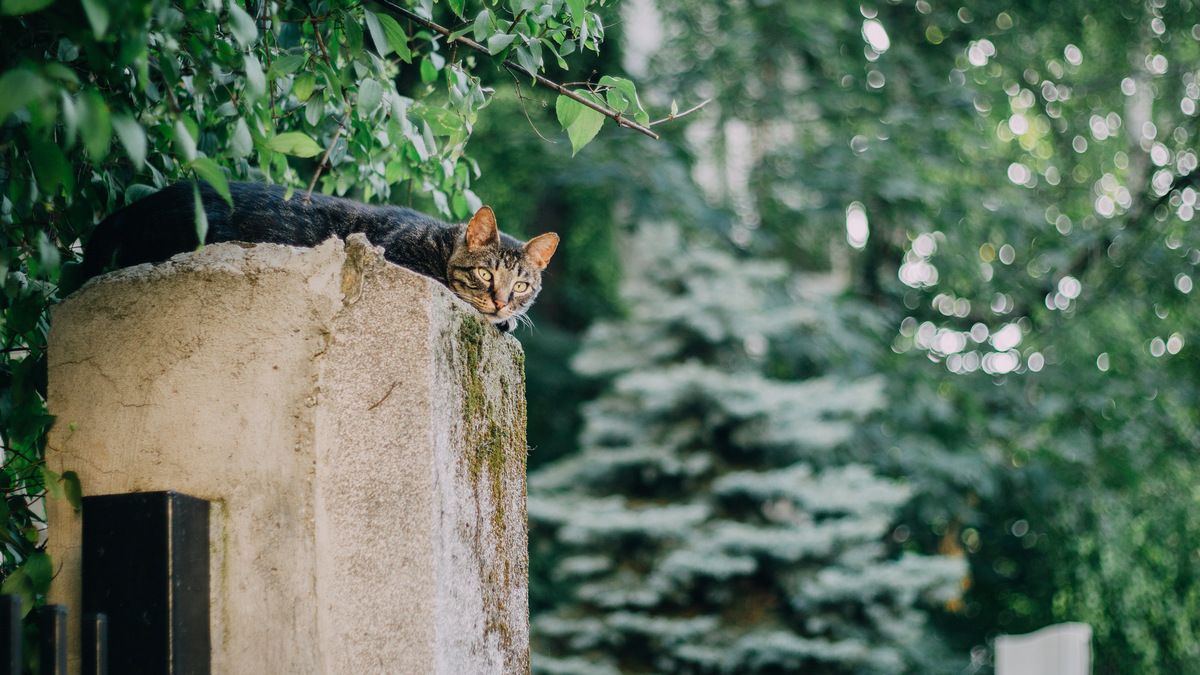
(578, 10)
(331, 79)
(474, 203)
(211, 173)
(62, 73)
(483, 24)
(19, 88)
(70, 116)
(50, 480)
(624, 92)
(29, 580)
(286, 65)
(18, 7)
(456, 6)
(313, 110)
(616, 100)
(443, 121)
(199, 214)
(256, 82)
(370, 94)
(97, 14)
(95, 124)
(499, 42)
(581, 122)
(562, 63)
(303, 85)
(73, 489)
(17, 583)
(241, 144)
(458, 206)
(377, 35)
(138, 191)
(388, 36)
(354, 34)
(295, 143)
(242, 25)
(397, 39)
(428, 71)
(132, 137)
(48, 255)
(529, 61)
(39, 570)
(50, 167)
(185, 145)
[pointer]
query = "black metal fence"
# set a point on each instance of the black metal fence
(145, 601)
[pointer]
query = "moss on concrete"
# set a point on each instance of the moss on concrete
(493, 424)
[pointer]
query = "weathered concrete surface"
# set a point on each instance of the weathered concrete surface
(360, 432)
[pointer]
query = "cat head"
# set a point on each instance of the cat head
(495, 273)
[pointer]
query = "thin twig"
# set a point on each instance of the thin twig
(620, 119)
(325, 158)
(522, 98)
(520, 15)
(689, 111)
(321, 44)
(515, 19)
(312, 183)
(271, 83)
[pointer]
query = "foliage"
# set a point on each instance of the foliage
(102, 102)
(709, 524)
(1015, 184)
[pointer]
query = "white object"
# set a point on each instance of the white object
(1061, 649)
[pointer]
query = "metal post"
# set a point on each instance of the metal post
(10, 635)
(52, 639)
(145, 566)
(95, 644)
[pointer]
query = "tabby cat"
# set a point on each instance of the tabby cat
(496, 274)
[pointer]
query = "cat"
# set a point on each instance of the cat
(496, 274)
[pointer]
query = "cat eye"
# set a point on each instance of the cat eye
(520, 287)
(486, 275)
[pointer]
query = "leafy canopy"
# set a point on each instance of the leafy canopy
(104, 101)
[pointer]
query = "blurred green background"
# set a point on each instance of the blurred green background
(938, 249)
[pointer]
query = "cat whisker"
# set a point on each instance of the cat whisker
(524, 319)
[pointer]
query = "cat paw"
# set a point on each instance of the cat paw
(506, 326)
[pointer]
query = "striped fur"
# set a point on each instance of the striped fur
(496, 274)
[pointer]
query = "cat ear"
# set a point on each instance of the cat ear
(481, 231)
(539, 249)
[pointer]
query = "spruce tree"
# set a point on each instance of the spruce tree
(710, 522)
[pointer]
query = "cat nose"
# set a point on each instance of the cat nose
(500, 304)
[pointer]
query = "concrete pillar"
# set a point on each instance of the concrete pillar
(359, 431)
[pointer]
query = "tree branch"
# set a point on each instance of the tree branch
(689, 111)
(620, 119)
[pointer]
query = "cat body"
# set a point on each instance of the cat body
(496, 274)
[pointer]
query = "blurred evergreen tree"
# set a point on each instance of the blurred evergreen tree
(1017, 184)
(711, 522)
(1012, 185)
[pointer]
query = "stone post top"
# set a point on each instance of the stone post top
(335, 269)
